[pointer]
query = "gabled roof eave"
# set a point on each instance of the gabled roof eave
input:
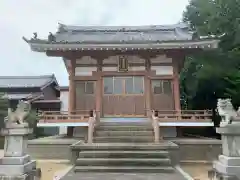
(201, 44)
(51, 81)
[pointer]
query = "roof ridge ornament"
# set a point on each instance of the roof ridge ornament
(35, 35)
(61, 28)
(51, 37)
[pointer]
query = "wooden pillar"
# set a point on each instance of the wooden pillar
(71, 94)
(176, 87)
(176, 93)
(99, 87)
(147, 86)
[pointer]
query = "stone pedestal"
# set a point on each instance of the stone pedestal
(228, 164)
(16, 164)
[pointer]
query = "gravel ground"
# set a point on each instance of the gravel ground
(52, 170)
(197, 172)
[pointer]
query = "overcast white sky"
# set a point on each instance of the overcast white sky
(23, 17)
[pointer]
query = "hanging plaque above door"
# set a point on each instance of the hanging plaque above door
(122, 64)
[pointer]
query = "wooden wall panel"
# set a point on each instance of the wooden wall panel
(162, 102)
(132, 105)
(85, 97)
(85, 102)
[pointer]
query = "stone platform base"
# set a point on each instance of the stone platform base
(34, 174)
(13, 170)
(126, 176)
(227, 168)
(215, 175)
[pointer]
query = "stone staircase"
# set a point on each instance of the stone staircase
(124, 132)
(125, 147)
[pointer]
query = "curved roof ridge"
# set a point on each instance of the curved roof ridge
(64, 27)
(27, 81)
(27, 77)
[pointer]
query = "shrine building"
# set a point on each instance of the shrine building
(123, 72)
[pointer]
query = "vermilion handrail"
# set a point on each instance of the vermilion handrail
(183, 115)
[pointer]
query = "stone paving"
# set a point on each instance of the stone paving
(120, 176)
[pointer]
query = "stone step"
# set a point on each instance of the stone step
(124, 128)
(164, 145)
(124, 154)
(143, 123)
(112, 139)
(123, 162)
(122, 133)
(124, 169)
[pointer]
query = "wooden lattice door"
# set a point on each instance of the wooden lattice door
(123, 96)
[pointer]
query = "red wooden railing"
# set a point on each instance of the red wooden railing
(177, 116)
(78, 116)
(184, 115)
(63, 116)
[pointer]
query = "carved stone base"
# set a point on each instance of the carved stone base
(15, 160)
(16, 139)
(215, 175)
(13, 170)
(35, 174)
(227, 168)
(230, 139)
(16, 163)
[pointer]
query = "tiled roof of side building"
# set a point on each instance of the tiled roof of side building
(26, 81)
(64, 88)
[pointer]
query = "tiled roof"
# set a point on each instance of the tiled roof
(111, 34)
(64, 88)
(18, 96)
(63, 27)
(26, 81)
(74, 38)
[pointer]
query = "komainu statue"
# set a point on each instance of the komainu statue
(20, 114)
(227, 112)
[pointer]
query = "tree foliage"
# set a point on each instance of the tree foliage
(32, 120)
(213, 74)
(215, 17)
(3, 109)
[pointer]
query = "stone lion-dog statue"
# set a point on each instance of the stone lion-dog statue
(20, 114)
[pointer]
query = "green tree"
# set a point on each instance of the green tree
(3, 109)
(233, 87)
(3, 114)
(32, 120)
(215, 17)
(203, 78)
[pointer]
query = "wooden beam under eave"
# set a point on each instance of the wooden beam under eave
(86, 78)
(55, 53)
(162, 77)
(115, 65)
(149, 54)
(103, 54)
(178, 58)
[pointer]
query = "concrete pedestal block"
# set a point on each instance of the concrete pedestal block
(16, 139)
(228, 165)
(16, 164)
(14, 170)
(229, 161)
(33, 175)
(230, 139)
(15, 160)
(226, 170)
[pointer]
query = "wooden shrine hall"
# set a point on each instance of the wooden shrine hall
(123, 71)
